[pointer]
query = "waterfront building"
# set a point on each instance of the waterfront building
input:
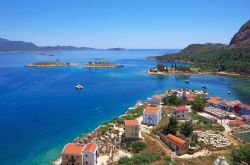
(214, 102)
(79, 154)
(91, 154)
(181, 113)
(229, 105)
(244, 109)
(178, 145)
(156, 99)
(131, 129)
(152, 115)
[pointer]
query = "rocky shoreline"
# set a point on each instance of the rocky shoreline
(107, 136)
(198, 73)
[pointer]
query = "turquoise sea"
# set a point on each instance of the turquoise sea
(40, 110)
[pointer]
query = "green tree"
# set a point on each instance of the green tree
(186, 128)
(172, 126)
(198, 104)
(160, 67)
(125, 161)
(194, 137)
(138, 146)
(240, 155)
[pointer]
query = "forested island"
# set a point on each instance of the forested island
(232, 58)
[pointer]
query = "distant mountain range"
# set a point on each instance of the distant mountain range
(119, 49)
(234, 57)
(7, 45)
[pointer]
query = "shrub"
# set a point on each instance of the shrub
(240, 155)
(125, 161)
(138, 146)
(141, 158)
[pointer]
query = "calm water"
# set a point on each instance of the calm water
(40, 111)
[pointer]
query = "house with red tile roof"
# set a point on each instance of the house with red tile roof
(74, 153)
(229, 105)
(178, 145)
(152, 115)
(181, 113)
(214, 102)
(131, 129)
(90, 154)
(235, 123)
(244, 109)
(156, 99)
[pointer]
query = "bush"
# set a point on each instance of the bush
(192, 144)
(126, 161)
(104, 129)
(139, 159)
(138, 146)
(186, 128)
(198, 104)
(240, 155)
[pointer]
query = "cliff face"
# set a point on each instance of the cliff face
(242, 38)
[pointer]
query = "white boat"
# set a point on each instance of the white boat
(228, 92)
(79, 87)
(187, 81)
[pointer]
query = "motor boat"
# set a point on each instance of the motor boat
(228, 92)
(79, 87)
(187, 81)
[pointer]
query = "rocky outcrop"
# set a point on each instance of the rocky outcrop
(242, 38)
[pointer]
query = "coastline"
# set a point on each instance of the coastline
(89, 136)
(198, 73)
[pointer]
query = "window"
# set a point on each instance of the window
(86, 155)
(86, 162)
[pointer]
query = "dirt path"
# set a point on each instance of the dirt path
(234, 141)
(159, 143)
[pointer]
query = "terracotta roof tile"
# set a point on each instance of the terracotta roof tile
(131, 122)
(236, 122)
(181, 108)
(91, 147)
(213, 101)
(151, 110)
(245, 106)
(73, 148)
(175, 139)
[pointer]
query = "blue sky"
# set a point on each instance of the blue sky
(122, 23)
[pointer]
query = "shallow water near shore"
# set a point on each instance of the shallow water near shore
(40, 110)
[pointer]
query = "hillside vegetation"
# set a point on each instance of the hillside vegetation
(218, 57)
